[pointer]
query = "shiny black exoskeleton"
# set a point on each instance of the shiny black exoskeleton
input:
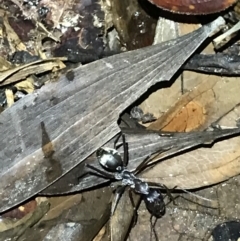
(155, 203)
(111, 160)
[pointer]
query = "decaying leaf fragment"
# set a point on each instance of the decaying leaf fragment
(4, 64)
(77, 217)
(13, 228)
(9, 97)
(21, 72)
(13, 39)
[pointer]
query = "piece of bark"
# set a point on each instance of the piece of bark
(46, 134)
(124, 217)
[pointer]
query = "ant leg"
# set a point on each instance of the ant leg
(118, 194)
(141, 166)
(125, 151)
(162, 186)
(116, 140)
(145, 162)
(101, 172)
(135, 214)
(172, 199)
(153, 230)
(169, 194)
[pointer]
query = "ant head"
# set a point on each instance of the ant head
(110, 159)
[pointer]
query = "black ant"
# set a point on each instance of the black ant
(111, 160)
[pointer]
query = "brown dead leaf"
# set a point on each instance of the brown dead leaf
(189, 112)
(205, 104)
(188, 118)
(21, 211)
(193, 114)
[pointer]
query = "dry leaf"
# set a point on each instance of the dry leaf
(13, 39)
(190, 111)
(36, 67)
(204, 166)
(79, 126)
(209, 98)
(12, 229)
(76, 217)
(4, 64)
(60, 205)
(9, 97)
(26, 85)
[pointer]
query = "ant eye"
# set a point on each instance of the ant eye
(110, 159)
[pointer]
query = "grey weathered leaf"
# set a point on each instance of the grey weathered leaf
(141, 145)
(201, 167)
(46, 134)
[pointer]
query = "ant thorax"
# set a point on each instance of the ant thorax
(141, 187)
(129, 179)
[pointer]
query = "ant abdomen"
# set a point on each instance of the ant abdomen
(154, 203)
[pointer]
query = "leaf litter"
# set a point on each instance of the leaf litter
(207, 100)
(206, 103)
